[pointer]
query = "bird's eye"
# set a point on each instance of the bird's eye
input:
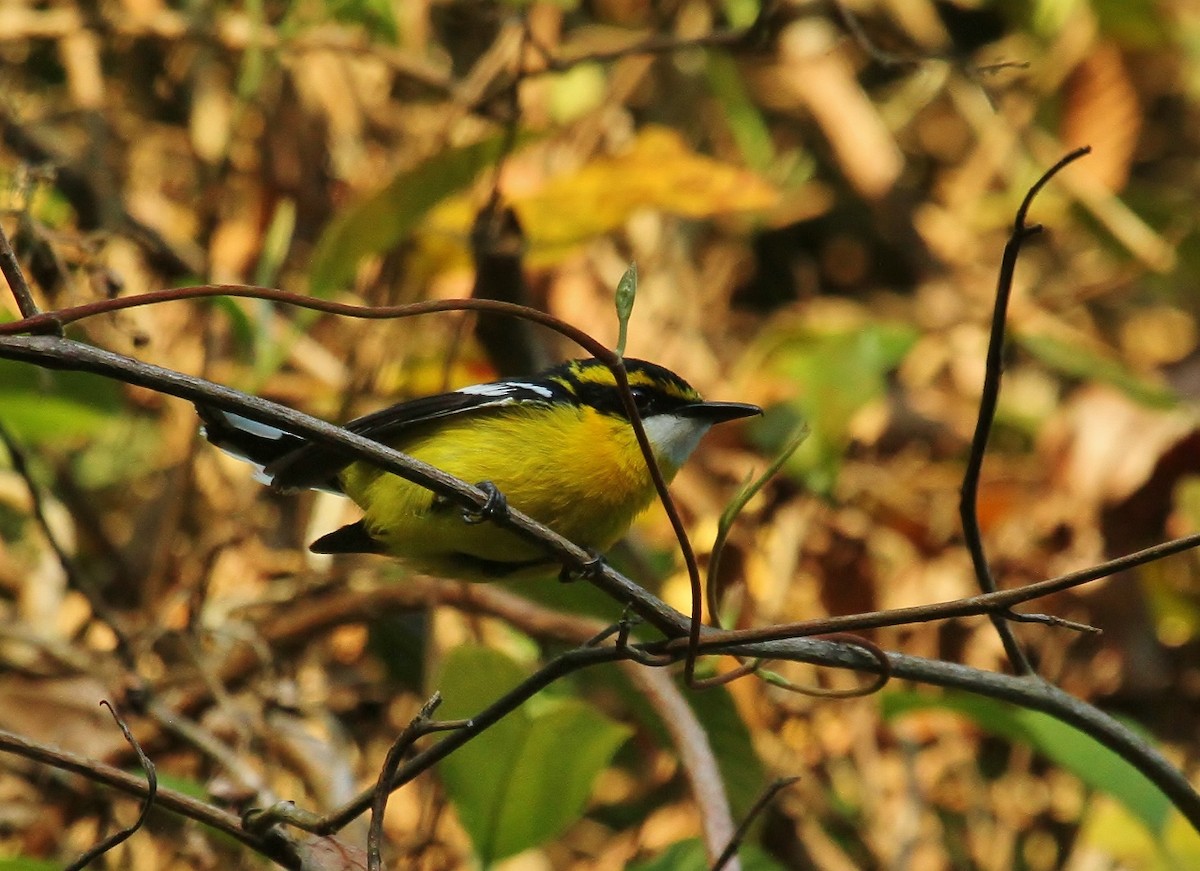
(643, 399)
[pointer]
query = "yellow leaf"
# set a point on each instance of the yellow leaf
(658, 172)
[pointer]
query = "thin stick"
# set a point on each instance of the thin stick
(16, 278)
(760, 805)
(147, 801)
(969, 500)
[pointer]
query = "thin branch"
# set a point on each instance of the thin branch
(1027, 691)
(968, 504)
(41, 322)
(420, 725)
(147, 802)
(998, 602)
(16, 278)
(760, 804)
(66, 354)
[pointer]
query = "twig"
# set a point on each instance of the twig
(968, 503)
(882, 676)
(147, 802)
(760, 804)
(16, 278)
(419, 726)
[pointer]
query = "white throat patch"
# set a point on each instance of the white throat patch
(673, 437)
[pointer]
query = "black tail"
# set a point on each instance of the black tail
(259, 444)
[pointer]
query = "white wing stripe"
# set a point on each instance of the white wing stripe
(506, 389)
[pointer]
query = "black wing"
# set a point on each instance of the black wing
(316, 465)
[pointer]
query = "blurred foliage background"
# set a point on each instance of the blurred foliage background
(816, 206)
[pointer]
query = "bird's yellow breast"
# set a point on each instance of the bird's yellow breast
(574, 469)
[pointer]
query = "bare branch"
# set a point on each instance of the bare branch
(148, 802)
(968, 504)
(16, 278)
(760, 804)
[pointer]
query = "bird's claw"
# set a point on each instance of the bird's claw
(593, 566)
(495, 507)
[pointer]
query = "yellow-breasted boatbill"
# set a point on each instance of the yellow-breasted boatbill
(558, 446)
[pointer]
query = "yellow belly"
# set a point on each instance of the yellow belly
(580, 473)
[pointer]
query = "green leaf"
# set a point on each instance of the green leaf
(24, 863)
(43, 407)
(690, 856)
(1097, 766)
(1083, 363)
(626, 294)
(383, 219)
(835, 374)
(746, 122)
(529, 776)
(560, 757)
(45, 419)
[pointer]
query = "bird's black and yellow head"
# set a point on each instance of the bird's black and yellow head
(672, 411)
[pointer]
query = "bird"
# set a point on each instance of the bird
(558, 446)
